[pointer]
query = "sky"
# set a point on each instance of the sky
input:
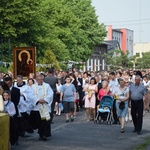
(130, 14)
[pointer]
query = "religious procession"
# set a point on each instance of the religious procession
(74, 75)
(111, 97)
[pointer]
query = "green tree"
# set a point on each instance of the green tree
(118, 59)
(50, 58)
(69, 28)
(89, 32)
(143, 62)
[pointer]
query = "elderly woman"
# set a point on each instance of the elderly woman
(122, 94)
(103, 91)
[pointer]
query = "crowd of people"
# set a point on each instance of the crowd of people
(32, 104)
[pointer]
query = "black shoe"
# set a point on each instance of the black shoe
(67, 119)
(139, 132)
(134, 131)
(12, 146)
(72, 118)
(122, 130)
(44, 138)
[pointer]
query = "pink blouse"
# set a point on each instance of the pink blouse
(102, 93)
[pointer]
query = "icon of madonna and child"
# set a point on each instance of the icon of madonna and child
(24, 63)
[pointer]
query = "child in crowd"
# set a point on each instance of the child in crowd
(57, 103)
(68, 95)
(85, 88)
(10, 109)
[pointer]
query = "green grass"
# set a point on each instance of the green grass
(144, 145)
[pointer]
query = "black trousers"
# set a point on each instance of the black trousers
(24, 124)
(43, 126)
(137, 114)
(79, 89)
(53, 106)
(13, 131)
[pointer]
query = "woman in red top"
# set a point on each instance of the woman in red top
(103, 91)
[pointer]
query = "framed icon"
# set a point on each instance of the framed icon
(24, 60)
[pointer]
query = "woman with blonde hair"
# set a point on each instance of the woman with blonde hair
(103, 91)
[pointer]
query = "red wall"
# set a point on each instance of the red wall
(109, 35)
(124, 39)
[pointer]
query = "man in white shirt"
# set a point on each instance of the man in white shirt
(113, 83)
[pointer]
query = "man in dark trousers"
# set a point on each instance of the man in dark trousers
(137, 92)
(52, 80)
(79, 89)
(15, 97)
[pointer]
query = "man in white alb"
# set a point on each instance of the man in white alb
(41, 97)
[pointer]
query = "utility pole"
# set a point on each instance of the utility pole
(140, 14)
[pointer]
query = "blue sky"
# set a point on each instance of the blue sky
(130, 14)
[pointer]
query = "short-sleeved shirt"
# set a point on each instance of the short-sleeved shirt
(113, 84)
(68, 92)
(137, 91)
(121, 93)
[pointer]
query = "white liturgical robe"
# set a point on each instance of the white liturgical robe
(38, 92)
(23, 105)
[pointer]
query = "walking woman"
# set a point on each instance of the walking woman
(90, 99)
(122, 94)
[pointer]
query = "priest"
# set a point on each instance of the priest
(41, 97)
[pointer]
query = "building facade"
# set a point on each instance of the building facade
(123, 36)
(116, 39)
(97, 61)
(140, 48)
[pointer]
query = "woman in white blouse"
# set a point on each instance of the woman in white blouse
(122, 96)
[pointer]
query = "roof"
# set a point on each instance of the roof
(113, 44)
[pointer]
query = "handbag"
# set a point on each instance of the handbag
(122, 105)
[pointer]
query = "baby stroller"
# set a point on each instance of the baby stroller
(104, 113)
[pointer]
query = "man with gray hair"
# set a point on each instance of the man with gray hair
(41, 97)
(137, 92)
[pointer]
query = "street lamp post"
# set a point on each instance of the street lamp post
(133, 64)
